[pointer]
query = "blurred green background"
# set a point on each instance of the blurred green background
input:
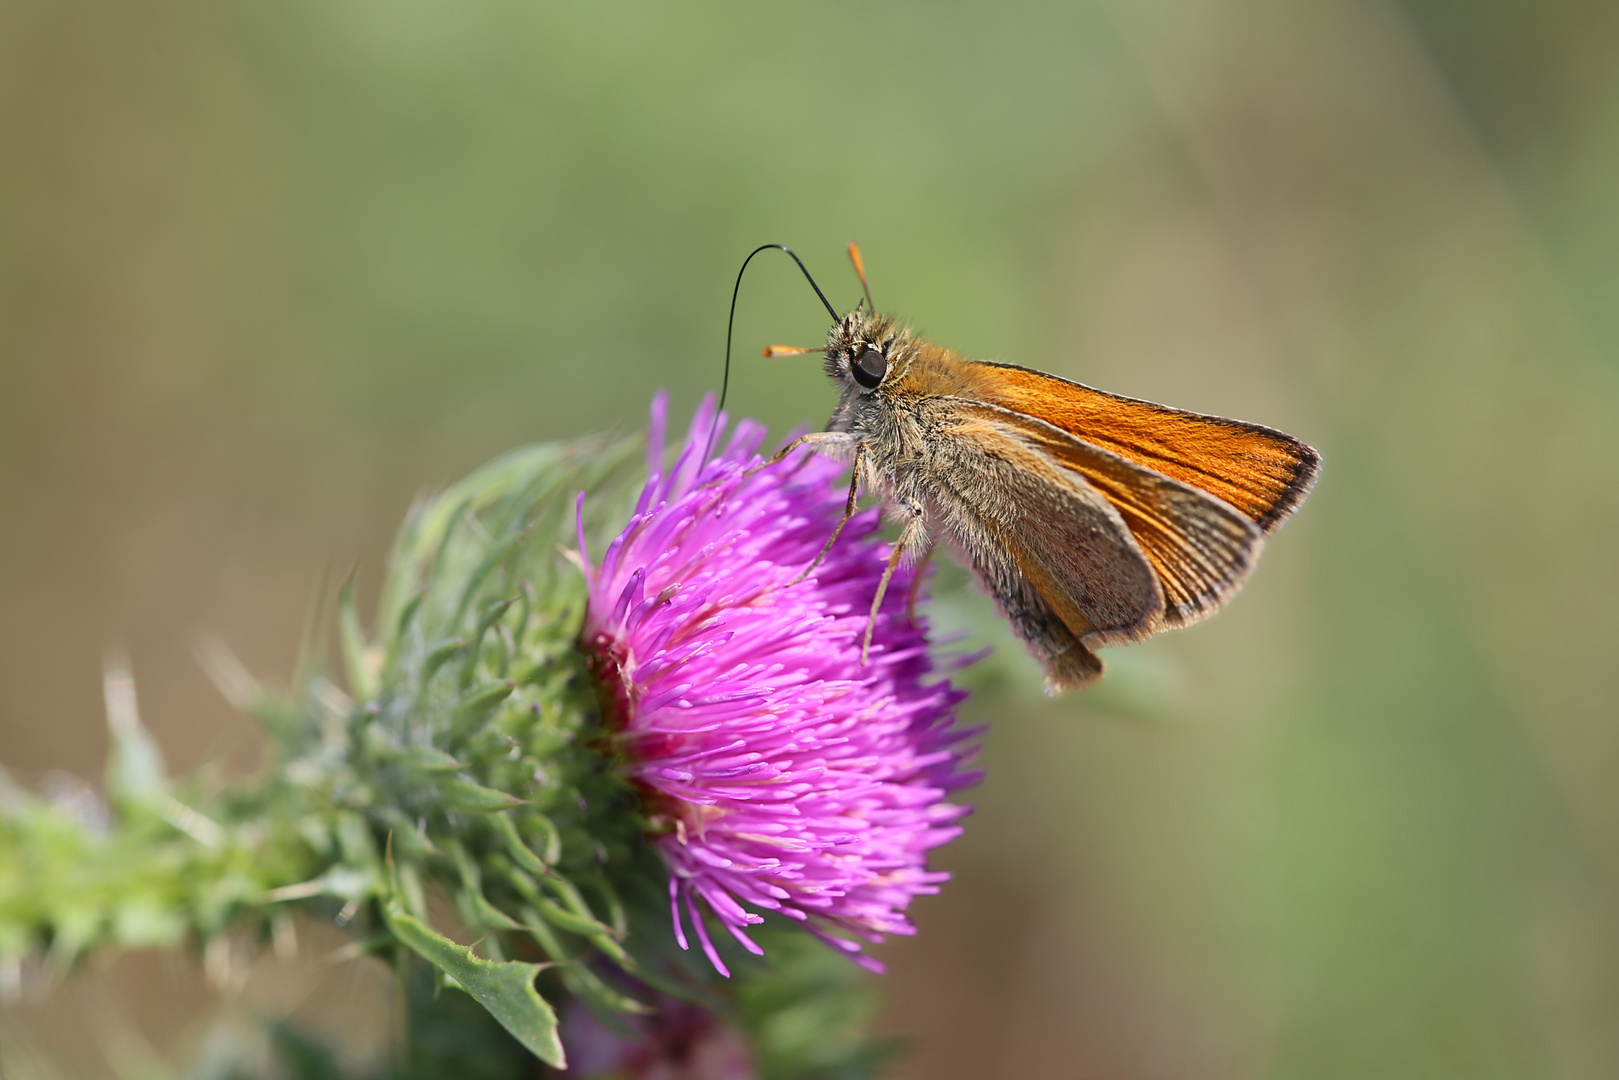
(270, 270)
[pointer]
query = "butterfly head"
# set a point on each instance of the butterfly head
(865, 350)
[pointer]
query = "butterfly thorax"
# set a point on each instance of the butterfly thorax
(897, 422)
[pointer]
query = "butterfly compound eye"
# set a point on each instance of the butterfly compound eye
(869, 367)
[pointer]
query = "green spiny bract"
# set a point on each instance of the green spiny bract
(474, 741)
(463, 770)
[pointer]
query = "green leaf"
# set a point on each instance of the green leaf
(505, 989)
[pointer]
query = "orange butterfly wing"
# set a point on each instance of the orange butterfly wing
(1201, 549)
(1260, 471)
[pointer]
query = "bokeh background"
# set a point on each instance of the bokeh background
(268, 271)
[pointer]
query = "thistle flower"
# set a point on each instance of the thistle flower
(467, 758)
(781, 773)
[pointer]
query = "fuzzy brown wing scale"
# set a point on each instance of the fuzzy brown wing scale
(1053, 552)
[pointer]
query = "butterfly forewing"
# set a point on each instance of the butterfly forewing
(1200, 548)
(1261, 472)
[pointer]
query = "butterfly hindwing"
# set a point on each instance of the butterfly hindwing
(1053, 550)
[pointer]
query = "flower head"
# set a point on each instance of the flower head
(784, 775)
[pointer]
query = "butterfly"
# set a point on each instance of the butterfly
(1092, 519)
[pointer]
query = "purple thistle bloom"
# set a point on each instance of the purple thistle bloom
(783, 774)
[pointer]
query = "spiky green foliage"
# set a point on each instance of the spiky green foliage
(474, 741)
(454, 802)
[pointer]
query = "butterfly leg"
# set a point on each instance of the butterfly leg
(848, 512)
(833, 444)
(909, 534)
(916, 581)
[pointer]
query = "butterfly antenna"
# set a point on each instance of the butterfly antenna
(725, 379)
(860, 268)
